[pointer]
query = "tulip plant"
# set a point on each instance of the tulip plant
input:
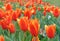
(29, 20)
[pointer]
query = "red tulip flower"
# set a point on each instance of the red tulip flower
(56, 12)
(1, 13)
(33, 10)
(44, 13)
(7, 19)
(50, 30)
(23, 23)
(3, 24)
(16, 14)
(2, 38)
(27, 13)
(8, 7)
(34, 27)
(11, 28)
(27, 4)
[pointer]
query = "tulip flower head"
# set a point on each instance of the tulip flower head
(23, 23)
(50, 30)
(34, 27)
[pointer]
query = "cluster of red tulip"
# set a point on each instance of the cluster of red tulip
(26, 23)
(54, 10)
(29, 25)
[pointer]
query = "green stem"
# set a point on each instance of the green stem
(8, 33)
(3, 32)
(50, 39)
(24, 36)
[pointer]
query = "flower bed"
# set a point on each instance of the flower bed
(32, 20)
